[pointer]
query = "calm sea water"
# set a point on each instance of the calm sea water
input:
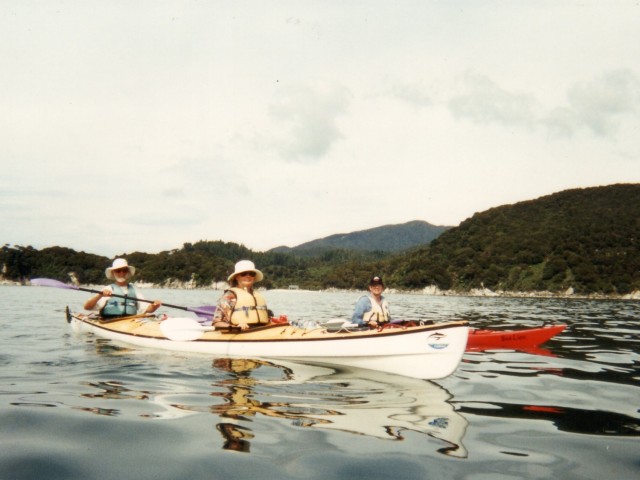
(79, 407)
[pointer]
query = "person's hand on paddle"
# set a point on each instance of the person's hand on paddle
(89, 304)
(153, 306)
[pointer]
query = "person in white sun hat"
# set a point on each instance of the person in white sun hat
(108, 305)
(240, 305)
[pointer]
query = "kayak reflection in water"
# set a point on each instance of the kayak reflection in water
(240, 403)
(234, 436)
(362, 402)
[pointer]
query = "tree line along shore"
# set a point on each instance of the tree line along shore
(575, 243)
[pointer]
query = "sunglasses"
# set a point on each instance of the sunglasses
(244, 274)
(121, 270)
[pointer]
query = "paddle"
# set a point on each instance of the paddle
(183, 329)
(203, 311)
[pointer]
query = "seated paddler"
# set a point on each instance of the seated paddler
(110, 302)
(241, 305)
(372, 310)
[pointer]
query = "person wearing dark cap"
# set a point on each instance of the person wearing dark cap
(372, 310)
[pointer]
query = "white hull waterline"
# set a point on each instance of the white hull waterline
(425, 352)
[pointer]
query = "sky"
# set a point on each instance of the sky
(142, 125)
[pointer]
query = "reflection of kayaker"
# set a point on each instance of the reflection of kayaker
(361, 402)
(240, 403)
(235, 436)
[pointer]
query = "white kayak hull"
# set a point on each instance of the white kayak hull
(425, 352)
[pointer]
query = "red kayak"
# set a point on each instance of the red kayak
(511, 339)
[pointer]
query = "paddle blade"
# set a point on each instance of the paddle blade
(205, 309)
(48, 282)
(205, 312)
(182, 329)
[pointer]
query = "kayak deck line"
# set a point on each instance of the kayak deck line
(426, 352)
(147, 326)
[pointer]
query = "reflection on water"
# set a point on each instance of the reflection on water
(240, 402)
(563, 418)
(112, 391)
(567, 410)
(356, 401)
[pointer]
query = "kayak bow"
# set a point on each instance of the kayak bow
(484, 339)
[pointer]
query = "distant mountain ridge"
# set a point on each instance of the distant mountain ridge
(387, 238)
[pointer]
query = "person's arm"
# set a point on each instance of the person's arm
(144, 307)
(151, 307)
(224, 307)
(363, 305)
(97, 301)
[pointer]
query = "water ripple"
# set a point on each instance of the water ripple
(76, 406)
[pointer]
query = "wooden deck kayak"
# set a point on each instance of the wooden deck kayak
(423, 351)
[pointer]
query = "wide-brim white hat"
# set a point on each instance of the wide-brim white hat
(119, 263)
(246, 266)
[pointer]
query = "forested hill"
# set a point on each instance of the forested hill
(586, 239)
(388, 238)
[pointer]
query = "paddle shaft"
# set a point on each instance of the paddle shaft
(90, 290)
(206, 311)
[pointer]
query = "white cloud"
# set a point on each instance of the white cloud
(598, 105)
(308, 117)
(145, 125)
(485, 102)
(416, 95)
(601, 104)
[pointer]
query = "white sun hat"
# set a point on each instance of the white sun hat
(246, 266)
(119, 263)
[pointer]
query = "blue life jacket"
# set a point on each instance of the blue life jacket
(120, 307)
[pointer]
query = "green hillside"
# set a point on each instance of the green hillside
(585, 239)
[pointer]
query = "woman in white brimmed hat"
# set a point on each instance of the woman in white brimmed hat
(108, 306)
(240, 305)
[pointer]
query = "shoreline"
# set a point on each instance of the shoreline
(428, 291)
